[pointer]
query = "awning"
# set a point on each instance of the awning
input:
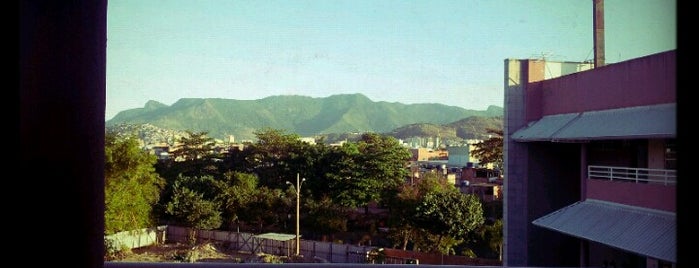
(545, 128)
(653, 121)
(646, 232)
(276, 236)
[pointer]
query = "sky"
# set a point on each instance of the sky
(436, 51)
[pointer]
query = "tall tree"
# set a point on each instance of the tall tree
(341, 180)
(490, 150)
(195, 146)
(266, 207)
(195, 156)
(237, 196)
(275, 157)
(382, 167)
(194, 208)
(449, 213)
(326, 217)
(404, 227)
(132, 187)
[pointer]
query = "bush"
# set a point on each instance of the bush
(113, 251)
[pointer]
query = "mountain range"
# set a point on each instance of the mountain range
(309, 116)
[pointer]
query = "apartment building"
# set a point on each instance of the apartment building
(590, 163)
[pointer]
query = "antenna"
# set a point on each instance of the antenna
(545, 55)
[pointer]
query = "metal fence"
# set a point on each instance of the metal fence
(642, 175)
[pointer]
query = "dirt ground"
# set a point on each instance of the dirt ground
(206, 252)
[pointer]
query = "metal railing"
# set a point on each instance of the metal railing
(637, 175)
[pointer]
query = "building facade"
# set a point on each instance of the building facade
(590, 165)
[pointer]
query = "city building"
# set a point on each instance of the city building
(590, 163)
(426, 154)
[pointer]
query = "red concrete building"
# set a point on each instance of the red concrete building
(590, 163)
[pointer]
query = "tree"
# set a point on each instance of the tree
(494, 237)
(449, 213)
(490, 150)
(403, 209)
(265, 207)
(275, 156)
(195, 155)
(132, 187)
(341, 180)
(326, 217)
(381, 166)
(238, 195)
(190, 208)
(194, 146)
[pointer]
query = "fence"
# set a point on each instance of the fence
(643, 175)
(137, 238)
(284, 245)
(247, 242)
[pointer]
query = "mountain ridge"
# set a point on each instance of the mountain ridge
(307, 116)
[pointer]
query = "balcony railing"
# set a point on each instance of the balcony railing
(638, 175)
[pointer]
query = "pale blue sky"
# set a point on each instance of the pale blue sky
(449, 52)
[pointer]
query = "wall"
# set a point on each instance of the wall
(553, 182)
(654, 196)
(650, 80)
(438, 259)
(458, 155)
(137, 238)
(515, 220)
(332, 252)
(62, 74)
(522, 82)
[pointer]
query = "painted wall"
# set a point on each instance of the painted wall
(643, 81)
(654, 196)
(459, 155)
(522, 78)
(515, 162)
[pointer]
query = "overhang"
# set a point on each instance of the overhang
(276, 236)
(640, 122)
(545, 128)
(643, 231)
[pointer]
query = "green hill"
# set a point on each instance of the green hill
(304, 115)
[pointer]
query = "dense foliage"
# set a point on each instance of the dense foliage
(132, 187)
(490, 150)
(246, 189)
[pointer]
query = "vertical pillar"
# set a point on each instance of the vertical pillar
(62, 77)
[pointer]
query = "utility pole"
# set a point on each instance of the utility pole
(298, 210)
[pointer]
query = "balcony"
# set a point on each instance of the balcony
(637, 175)
(642, 187)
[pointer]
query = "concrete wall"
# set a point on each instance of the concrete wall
(523, 93)
(646, 195)
(642, 81)
(459, 155)
(515, 164)
(61, 93)
(332, 252)
(425, 258)
(536, 179)
(137, 238)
